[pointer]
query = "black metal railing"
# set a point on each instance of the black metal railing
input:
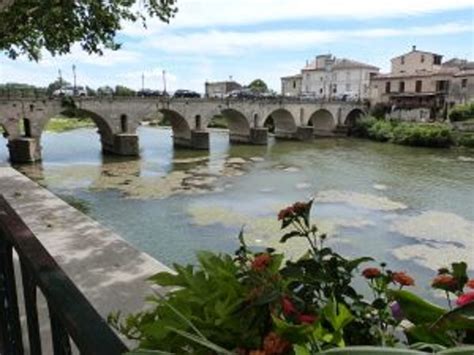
(71, 315)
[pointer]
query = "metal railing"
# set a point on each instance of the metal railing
(71, 315)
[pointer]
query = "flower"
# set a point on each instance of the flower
(397, 312)
(299, 207)
(403, 278)
(285, 213)
(274, 345)
(371, 273)
(307, 318)
(445, 282)
(261, 262)
(287, 306)
(465, 298)
(470, 283)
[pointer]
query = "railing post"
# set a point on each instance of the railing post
(61, 344)
(31, 310)
(9, 314)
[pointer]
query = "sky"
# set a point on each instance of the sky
(214, 40)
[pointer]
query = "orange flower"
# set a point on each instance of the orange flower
(299, 207)
(371, 273)
(470, 283)
(274, 345)
(403, 278)
(465, 298)
(287, 306)
(261, 262)
(285, 213)
(445, 282)
(307, 319)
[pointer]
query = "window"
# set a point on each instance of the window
(418, 86)
(442, 85)
(294, 84)
(437, 59)
(402, 60)
(334, 88)
(321, 91)
(464, 83)
(401, 86)
(422, 58)
(387, 87)
(348, 87)
(124, 123)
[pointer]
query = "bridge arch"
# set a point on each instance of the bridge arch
(323, 122)
(179, 125)
(239, 126)
(284, 122)
(353, 116)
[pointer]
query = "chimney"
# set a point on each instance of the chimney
(413, 48)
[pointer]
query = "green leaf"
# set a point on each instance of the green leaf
(459, 318)
(416, 309)
(290, 235)
(460, 273)
(301, 350)
(423, 334)
(292, 332)
(355, 263)
(202, 341)
(148, 352)
(166, 279)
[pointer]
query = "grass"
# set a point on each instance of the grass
(59, 124)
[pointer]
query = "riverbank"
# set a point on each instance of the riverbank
(61, 124)
(432, 135)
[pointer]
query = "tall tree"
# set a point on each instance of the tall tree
(28, 26)
(121, 90)
(55, 85)
(258, 85)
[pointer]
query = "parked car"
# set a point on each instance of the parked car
(186, 93)
(152, 93)
(241, 94)
(70, 91)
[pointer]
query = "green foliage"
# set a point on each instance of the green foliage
(19, 89)
(435, 135)
(67, 124)
(462, 112)
(56, 85)
(466, 140)
(29, 26)
(258, 85)
(121, 90)
(218, 121)
(380, 110)
(77, 203)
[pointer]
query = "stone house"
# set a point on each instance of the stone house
(421, 87)
(291, 85)
(220, 88)
(328, 77)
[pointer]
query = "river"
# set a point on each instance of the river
(411, 207)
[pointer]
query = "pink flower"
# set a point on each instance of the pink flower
(307, 319)
(465, 298)
(470, 283)
(371, 273)
(287, 306)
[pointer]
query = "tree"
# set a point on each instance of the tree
(105, 91)
(258, 85)
(90, 91)
(27, 27)
(121, 90)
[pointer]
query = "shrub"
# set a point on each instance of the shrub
(362, 126)
(423, 135)
(381, 131)
(466, 140)
(462, 112)
(380, 110)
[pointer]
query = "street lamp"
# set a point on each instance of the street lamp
(164, 81)
(74, 75)
(143, 82)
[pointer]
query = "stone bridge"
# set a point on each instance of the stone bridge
(117, 119)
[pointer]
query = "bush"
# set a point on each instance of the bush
(380, 110)
(406, 133)
(466, 140)
(423, 135)
(462, 112)
(256, 303)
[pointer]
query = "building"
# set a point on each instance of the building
(420, 86)
(291, 85)
(329, 77)
(220, 88)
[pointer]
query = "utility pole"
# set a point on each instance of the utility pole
(164, 81)
(74, 75)
(60, 78)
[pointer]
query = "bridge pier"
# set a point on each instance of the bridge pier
(259, 136)
(304, 133)
(24, 150)
(199, 140)
(125, 144)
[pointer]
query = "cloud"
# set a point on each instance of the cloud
(232, 42)
(215, 13)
